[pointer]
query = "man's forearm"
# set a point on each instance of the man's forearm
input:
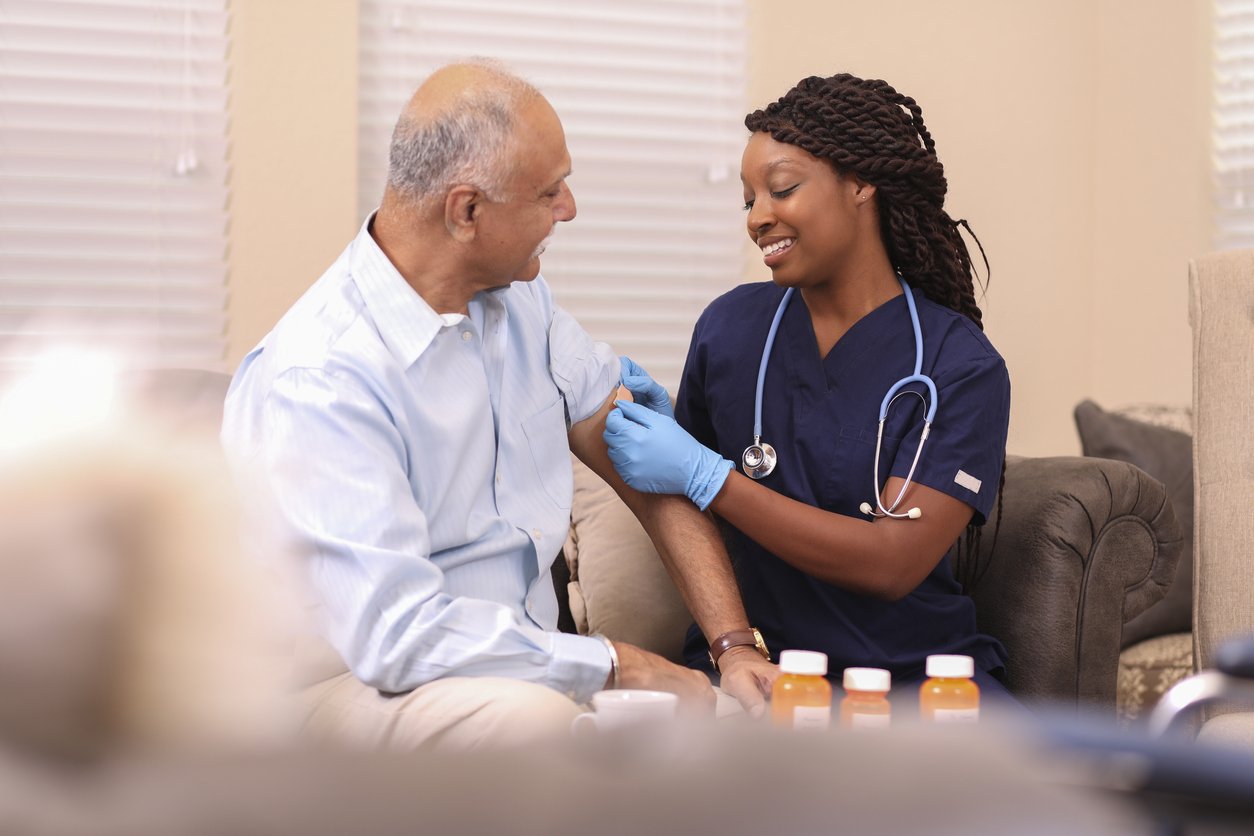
(692, 550)
(686, 539)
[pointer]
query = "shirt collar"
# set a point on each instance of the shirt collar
(405, 321)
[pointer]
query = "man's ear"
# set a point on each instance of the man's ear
(462, 208)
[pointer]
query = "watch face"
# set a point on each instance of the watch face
(760, 644)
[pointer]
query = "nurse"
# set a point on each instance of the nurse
(844, 195)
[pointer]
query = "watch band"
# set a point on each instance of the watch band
(737, 638)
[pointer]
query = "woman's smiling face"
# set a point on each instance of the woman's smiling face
(801, 213)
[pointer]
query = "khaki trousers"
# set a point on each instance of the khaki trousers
(458, 713)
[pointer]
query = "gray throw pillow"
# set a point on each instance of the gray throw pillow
(1167, 455)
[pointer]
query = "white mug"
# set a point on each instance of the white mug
(625, 707)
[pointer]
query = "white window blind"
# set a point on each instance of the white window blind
(113, 179)
(652, 96)
(1233, 123)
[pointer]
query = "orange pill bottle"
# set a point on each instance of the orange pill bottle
(866, 705)
(802, 697)
(948, 695)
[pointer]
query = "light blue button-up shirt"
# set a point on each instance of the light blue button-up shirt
(418, 464)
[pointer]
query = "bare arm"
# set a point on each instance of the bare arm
(692, 551)
(687, 540)
(884, 558)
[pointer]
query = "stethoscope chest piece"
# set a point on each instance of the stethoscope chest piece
(758, 460)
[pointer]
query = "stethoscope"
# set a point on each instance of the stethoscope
(759, 457)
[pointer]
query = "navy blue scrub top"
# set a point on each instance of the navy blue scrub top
(820, 414)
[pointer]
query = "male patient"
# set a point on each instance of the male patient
(412, 417)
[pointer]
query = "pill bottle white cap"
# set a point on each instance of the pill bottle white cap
(805, 662)
(867, 679)
(950, 667)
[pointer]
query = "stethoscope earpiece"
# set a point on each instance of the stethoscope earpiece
(759, 459)
(913, 513)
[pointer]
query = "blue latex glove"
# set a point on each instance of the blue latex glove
(654, 454)
(644, 388)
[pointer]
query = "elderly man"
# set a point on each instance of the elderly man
(412, 416)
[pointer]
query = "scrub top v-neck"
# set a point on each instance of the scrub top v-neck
(820, 414)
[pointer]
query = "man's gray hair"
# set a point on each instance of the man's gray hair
(466, 144)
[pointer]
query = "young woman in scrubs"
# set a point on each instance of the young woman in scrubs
(843, 194)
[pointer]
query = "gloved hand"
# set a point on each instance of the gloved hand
(654, 454)
(644, 388)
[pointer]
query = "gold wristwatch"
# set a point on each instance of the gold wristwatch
(738, 638)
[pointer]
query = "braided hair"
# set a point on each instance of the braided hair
(864, 127)
(867, 129)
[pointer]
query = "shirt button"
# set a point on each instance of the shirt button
(535, 532)
(498, 478)
(465, 336)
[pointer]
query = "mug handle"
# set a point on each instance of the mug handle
(584, 723)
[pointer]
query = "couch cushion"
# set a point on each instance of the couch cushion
(1148, 669)
(619, 586)
(1158, 442)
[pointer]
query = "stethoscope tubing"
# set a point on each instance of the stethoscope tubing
(766, 356)
(894, 391)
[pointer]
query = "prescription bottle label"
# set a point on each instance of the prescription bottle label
(811, 716)
(956, 715)
(869, 721)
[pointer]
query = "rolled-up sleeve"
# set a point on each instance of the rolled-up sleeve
(585, 371)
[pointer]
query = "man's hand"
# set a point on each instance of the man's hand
(641, 669)
(747, 677)
(643, 388)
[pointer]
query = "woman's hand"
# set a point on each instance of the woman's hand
(644, 389)
(654, 454)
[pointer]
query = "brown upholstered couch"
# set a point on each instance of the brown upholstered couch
(1158, 643)
(1085, 545)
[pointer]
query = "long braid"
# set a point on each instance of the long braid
(864, 127)
(868, 129)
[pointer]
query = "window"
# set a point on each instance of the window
(1233, 123)
(113, 179)
(652, 96)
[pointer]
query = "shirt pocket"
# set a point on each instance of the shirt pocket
(848, 480)
(550, 451)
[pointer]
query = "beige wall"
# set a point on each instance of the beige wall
(1152, 194)
(1073, 134)
(293, 88)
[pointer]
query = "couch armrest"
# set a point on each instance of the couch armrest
(1085, 545)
